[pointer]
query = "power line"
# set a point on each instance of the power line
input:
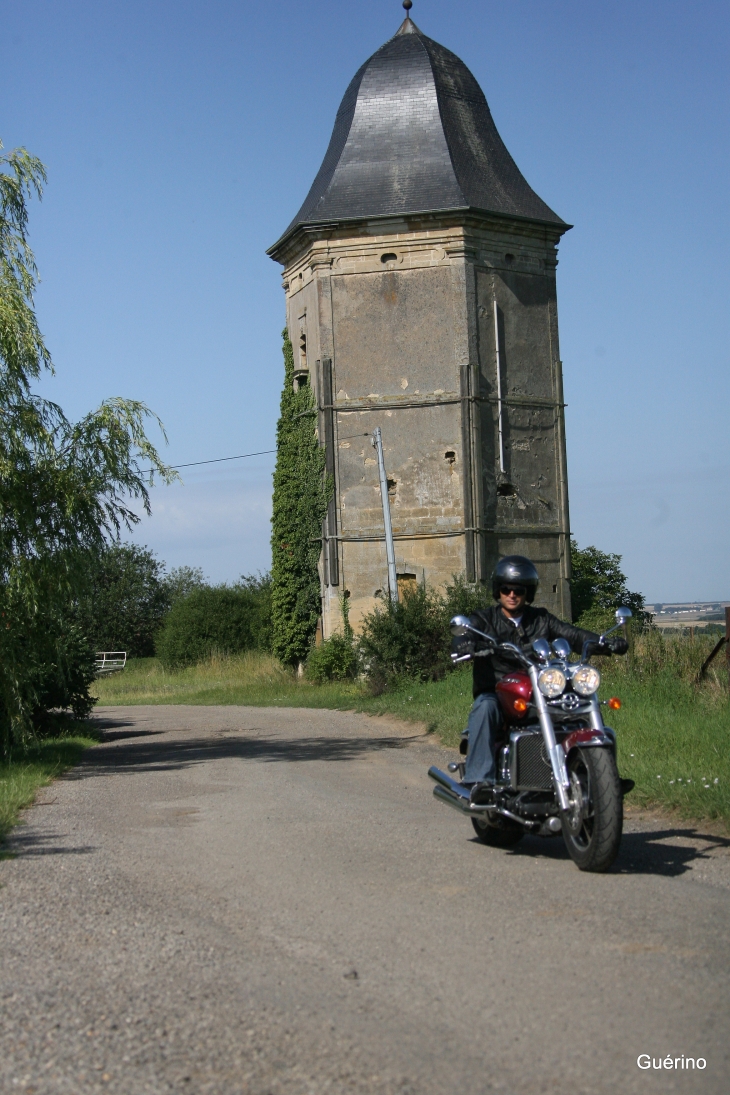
(244, 456)
(222, 459)
(217, 460)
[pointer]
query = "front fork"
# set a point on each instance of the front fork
(596, 720)
(555, 752)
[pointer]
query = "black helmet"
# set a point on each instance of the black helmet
(515, 570)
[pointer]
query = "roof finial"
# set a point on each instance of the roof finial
(407, 26)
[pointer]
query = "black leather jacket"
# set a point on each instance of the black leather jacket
(536, 623)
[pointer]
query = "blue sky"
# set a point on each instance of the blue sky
(180, 139)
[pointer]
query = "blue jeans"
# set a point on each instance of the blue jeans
(485, 719)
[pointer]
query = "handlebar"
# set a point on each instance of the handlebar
(492, 647)
(463, 627)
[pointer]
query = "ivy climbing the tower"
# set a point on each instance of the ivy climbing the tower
(300, 502)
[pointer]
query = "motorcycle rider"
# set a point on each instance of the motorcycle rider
(512, 619)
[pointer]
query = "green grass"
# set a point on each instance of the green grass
(673, 736)
(33, 767)
(260, 681)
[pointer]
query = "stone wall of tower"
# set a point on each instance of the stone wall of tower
(395, 319)
(523, 509)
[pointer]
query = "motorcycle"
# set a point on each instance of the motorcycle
(556, 765)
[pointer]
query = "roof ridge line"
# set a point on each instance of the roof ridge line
(423, 38)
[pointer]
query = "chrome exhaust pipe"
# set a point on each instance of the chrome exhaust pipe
(460, 804)
(456, 795)
(449, 791)
(531, 825)
(455, 789)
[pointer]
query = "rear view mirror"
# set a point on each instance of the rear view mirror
(460, 625)
(622, 615)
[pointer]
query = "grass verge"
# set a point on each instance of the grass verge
(673, 736)
(673, 741)
(260, 681)
(33, 767)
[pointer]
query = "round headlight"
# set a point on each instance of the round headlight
(551, 682)
(586, 680)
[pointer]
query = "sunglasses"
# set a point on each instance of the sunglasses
(519, 591)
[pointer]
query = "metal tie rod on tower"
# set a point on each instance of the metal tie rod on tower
(377, 442)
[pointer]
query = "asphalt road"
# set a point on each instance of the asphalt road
(228, 900)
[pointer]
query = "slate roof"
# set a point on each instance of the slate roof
(414, 134)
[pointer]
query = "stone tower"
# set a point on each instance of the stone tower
(421, 298)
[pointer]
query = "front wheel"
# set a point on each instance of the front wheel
(500, 833)
(592, 828)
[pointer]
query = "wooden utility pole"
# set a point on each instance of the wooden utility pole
(723, 641)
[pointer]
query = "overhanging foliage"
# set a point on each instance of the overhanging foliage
(65, 488)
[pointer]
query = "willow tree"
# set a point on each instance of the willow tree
(66, 488)
(300, 502)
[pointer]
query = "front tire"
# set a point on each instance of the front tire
(500, 833)
(592, 829)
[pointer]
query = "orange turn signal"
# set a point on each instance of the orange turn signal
(520, 705)
(614, 703)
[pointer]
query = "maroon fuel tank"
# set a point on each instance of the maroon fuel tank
(515, 693)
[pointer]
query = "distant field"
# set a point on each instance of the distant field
(673, 736)
(694, 614)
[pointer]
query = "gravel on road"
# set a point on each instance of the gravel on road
(269, 901)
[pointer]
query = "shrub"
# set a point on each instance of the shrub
(224, 619)
(259, 587)
(598, 587)
(183, 580)
(407, 638)
(462, 598)
(333, 660)
(62, 675)
(412, 638)
(336, 659)
(124, 601)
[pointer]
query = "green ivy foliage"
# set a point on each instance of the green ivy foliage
(300, 502)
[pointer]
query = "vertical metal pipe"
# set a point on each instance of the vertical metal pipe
(377, 442)
(331, 551)
(467, 448)
(564, 606)
(498, 362)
